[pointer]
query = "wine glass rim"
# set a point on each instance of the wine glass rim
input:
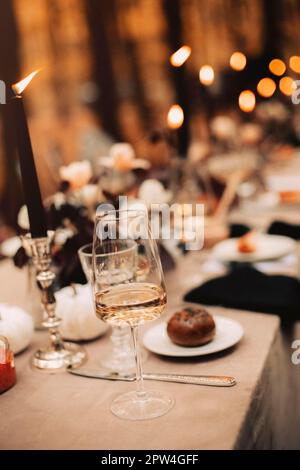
(83, 247)
(99, 255)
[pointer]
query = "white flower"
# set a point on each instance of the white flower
(77, 174)
(152, 192)
(250, 133)
(58, 199)
(62, 235)
(122, 158)
(122, 150)
(198, 151)
(223, 127)
(23, 219)
(90, 194)
(10, 247)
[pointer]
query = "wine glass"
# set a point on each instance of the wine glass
(125, 296)
(120, 358)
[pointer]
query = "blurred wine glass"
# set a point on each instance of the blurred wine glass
(120, 358)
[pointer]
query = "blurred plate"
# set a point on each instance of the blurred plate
(282, 183)
(228, 333)
(268, 247)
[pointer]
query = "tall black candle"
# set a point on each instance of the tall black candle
(31, 188)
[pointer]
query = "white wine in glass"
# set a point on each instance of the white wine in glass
(132, 303)
(126, 295)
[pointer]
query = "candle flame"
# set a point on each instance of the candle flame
(277, 67)
(238, 61)
(294, 63)
(266, 87)
(286, 85)
(206, 75)
(175, 117)
(180, 56)
(247, 101)
(19, 87)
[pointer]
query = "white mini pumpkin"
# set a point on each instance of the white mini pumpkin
(75, 308)
(17, 326)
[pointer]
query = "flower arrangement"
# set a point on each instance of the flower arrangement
(70, 211)
(73, 228)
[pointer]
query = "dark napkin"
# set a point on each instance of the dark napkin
(246, 288)
(238, 230)
(276, 228)
(283, 228)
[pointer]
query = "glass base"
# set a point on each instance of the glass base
(122, 362)
(50, 360)
(143, 405)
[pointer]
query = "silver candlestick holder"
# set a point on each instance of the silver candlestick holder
(58, 354)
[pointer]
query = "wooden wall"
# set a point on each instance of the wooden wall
(123, 47)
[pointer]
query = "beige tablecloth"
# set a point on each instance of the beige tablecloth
(66, 412)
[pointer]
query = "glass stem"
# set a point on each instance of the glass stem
(137, 356)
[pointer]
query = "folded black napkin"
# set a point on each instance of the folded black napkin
(246, 288)
(276, 228)
(238, 230)
(283, 228)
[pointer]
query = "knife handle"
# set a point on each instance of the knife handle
(210, 380)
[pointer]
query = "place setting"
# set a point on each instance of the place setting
(222, 333)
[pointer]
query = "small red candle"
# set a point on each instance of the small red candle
(7, 366)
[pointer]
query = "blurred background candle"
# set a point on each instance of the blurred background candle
(175, 120)
(31, 188)
(206, 75)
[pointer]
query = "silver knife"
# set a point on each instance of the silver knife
(211, 380)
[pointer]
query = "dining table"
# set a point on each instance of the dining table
(63, 411)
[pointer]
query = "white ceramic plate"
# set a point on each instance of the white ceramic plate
(228, 333)
(281, 183)
(268, 247)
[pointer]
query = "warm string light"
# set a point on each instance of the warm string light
(266, 87)
(247, 101)
(238, 61)
(175, 116)
(286, 85)
(277, 67)
(294, 63)
(180, 56)
(19, 87)
(206, 75)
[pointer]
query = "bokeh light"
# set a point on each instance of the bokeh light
(286, 85)
(247, 101)
(238, 61)
(277, 67)
(175, 116)
(180, 56)
(294, 63)
(206, 75)
(266, 87)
